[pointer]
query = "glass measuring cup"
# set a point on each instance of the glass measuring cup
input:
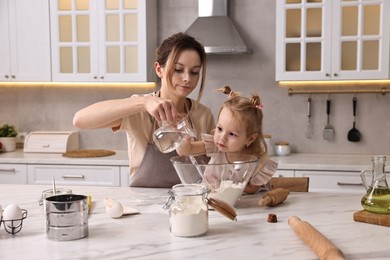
(169, 136)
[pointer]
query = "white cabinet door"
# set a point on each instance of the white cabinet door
(303, 39)
(5, 58)
(25, 40)
(360, 39)
(104, 41)
(333, 181)
(13, 174)
(74, 175)
(332, 40)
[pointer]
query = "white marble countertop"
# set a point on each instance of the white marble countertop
(119, 158)
(147, 236)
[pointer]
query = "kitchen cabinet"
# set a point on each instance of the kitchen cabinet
(74, 174)
(326, 181)
(125, 176)
(332, 40)
(103, 41)
(25, 40)
(13, 174)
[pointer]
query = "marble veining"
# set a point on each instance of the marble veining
(147, 236)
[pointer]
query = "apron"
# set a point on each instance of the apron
(156, 169)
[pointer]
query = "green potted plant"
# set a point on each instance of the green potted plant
(8, 135)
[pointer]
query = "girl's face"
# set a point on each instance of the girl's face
(186, 73)
(230, 134)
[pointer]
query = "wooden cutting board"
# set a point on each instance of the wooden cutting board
(88, 153)
(372, 218)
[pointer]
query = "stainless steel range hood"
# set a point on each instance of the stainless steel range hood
(215, 30)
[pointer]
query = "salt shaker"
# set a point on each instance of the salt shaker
(188, 210)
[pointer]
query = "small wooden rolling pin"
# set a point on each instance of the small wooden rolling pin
(274, 197)
(323, 248)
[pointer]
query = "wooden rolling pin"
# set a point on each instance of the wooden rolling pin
(274, 197)
(323, 248)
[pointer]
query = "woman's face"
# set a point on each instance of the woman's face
(186, 73)
(230, 134)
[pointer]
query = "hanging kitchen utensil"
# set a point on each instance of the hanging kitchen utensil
(328, 129)
(308, 132)
(354, 134)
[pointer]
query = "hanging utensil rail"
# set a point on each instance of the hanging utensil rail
(382, 91)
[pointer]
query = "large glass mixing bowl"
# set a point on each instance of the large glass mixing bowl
(225, 174)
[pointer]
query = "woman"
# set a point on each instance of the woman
(180, 63)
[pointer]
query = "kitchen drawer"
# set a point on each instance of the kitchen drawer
(74, 175)
(125, 176)
(333, 181)
(13, 174)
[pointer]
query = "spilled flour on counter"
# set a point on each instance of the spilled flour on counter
(228, 191)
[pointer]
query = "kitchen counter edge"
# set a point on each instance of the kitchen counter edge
(120, 158)
(294, 161)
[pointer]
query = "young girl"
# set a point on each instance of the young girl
(181, 65)
(239, 130)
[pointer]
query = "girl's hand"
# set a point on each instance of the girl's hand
(161, 109)
(251, 188)
(185, 146)
(211, 180)
(209, 144)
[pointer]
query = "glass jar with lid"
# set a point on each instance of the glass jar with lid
(188, 210)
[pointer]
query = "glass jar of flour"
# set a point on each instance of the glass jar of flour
(188, 210)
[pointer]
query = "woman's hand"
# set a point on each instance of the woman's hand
(161, 109)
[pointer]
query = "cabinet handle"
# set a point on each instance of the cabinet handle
(69, 176)
(95, 77)
(335, 74)
(6, 76)
(101, 77)
(327, 75)
(349, 184)
(8, 170)
(13, 76)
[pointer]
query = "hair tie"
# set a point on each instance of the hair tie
(233, 94)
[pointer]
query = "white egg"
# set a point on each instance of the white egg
(113, 208)
(12, 212)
